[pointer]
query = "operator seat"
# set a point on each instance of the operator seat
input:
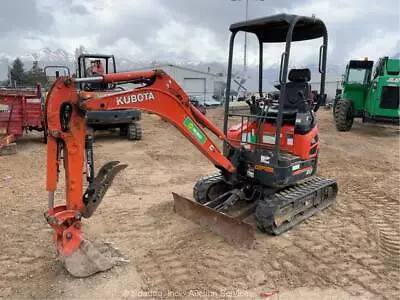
(298, 82)
(297, 91)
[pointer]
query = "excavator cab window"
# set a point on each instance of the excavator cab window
(90, 65)
(358, 76)
(359, 72)
(97, 67)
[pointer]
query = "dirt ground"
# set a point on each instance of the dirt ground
(349, 251)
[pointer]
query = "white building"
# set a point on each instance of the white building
(203, 85)
(332, 82)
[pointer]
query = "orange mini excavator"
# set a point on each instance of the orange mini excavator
(266, 171)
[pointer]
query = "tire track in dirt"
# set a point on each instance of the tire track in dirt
(18, 262)
(335, 265)
(133, 227)
(186, 266)
(368, 204)
(368, 267)
(332, 258)
(227, 263)
(384, 226)
(172, 257)
(382, 219)
(164, 271)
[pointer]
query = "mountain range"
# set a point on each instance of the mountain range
(47, 56)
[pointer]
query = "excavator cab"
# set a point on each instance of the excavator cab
(274, 147)
(280, 133)
(91, 65)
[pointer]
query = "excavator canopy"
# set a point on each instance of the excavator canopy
(274, 29)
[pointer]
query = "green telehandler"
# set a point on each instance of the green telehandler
(371, 96)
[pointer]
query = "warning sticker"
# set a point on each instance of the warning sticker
(189, 124)
(265, 159)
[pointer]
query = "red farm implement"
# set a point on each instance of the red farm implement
(20, 110)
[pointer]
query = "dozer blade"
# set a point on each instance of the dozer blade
(231, 229)
(86, 261)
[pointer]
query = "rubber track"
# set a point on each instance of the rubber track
(203, 184)
(309, 189)
(295, 196)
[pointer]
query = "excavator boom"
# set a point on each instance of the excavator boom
(165, 98)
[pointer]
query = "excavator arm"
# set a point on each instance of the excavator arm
(69, 141)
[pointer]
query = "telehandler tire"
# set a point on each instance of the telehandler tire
(343, 114)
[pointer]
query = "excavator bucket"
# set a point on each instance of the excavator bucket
(86, 260)
(233, 229)
(81, 258)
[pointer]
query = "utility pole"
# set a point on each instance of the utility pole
(245, 35)
(9, 74)
(245, 40)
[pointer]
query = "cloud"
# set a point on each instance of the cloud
(380, 45)
(356, 24)
(182, 30)
(23, 15)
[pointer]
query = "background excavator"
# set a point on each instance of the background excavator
(267, 169)
(127, 121)
(89, 65)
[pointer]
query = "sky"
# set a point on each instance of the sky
(193, 30)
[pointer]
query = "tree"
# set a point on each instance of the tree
(17, 73)
(35, 75)
(78, 52)
(30, 78)
(4, 83)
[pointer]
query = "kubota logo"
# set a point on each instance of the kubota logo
(135, 98)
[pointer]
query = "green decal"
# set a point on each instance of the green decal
(194, 130)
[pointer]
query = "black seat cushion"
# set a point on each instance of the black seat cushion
(297, 88)
(293, 96)
(288, 116)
